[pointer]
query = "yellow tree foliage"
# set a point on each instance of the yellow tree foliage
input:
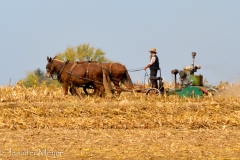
(82, 53)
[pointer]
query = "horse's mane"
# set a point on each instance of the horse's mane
(55, 58)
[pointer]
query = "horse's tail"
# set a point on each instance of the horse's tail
(107, 82)
(129, 80)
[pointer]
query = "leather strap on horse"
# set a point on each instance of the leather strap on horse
(77, 76)
(70, 72)
(61, 70)
(114, 79)
(87, 69)
(110, 70)
(72, 68)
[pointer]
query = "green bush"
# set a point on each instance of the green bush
(37, 78)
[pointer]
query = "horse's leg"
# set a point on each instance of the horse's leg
(65, 88)
(96, 92)
(78, 92)
(72, 90)
(85, 88)
(99, 87)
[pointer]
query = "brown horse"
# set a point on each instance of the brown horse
(118, 73)
(73, 75)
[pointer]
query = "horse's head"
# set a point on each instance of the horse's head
(50, 69)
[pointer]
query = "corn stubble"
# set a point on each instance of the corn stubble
(125, 126)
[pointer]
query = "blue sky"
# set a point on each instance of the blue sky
(125, 30)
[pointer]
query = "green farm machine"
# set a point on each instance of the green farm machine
(190, 85)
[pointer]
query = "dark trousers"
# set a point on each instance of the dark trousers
(153, 73)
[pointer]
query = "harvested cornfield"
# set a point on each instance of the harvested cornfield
(41, 123)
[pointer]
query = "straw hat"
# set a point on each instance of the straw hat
(153, 50)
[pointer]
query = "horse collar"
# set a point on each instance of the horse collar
(61, 70)
(110, 68)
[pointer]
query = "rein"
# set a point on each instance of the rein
(135, 70)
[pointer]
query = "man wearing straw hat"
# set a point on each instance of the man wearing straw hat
(154, 67)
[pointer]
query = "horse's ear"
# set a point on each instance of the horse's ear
(49, 59)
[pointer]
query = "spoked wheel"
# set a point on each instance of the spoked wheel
(153, 92)
(89, 90)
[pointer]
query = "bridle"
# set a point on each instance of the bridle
(52, 73)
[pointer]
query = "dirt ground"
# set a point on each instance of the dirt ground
(160, 143)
